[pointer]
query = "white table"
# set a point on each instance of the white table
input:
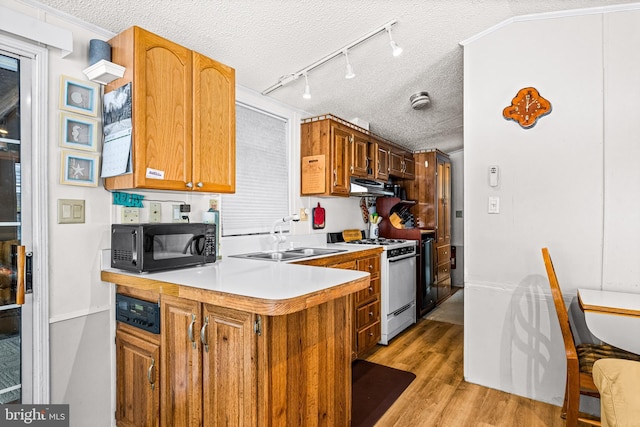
(613, 317)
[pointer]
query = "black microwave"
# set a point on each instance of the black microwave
(155, 247)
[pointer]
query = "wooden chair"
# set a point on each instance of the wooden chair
(580, 359)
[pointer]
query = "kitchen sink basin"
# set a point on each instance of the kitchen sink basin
(290, 254)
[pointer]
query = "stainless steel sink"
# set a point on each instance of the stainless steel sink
(290, 254)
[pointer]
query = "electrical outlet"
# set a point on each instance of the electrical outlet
(155, 212)
(130, 215)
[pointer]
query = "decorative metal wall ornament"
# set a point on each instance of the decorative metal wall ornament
(527, 107)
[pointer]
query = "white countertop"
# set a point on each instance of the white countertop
(253, 278)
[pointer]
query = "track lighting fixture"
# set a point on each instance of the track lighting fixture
(349, 74)
(288, 78)
(396, 50)
(307, 89)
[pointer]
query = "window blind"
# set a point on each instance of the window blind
(262, 174)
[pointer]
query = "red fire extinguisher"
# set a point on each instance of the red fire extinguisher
(453, 257)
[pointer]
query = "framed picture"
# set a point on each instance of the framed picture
(78, 168)
(78, 132)
(79, 96)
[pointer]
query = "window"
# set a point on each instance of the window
(262, 174)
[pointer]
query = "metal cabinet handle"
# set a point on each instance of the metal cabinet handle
(150, 371)
(189, 184)
(193, 321)
(200, 185)
(378, 166)
(203, 334)
(335, 178)
(370, 289)
(351, 168)
(371, 313)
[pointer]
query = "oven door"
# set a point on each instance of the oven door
(402, 282)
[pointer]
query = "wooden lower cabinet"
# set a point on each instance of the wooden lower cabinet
(366, 303)
(137, 378)
(213, 366)
(442, 271)
(208, 365)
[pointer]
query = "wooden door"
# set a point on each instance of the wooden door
(181, 362)
(360, 156)
(382, 162)
(229, 368)
(396, 163)
(409, 167)
(440, 200)
(214, 126)
(340, 160)
(162, 113)
(137, 381)
(446, 193)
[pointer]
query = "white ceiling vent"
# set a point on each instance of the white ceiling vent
(419, 100)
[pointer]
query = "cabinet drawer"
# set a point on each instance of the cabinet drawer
(368, 293)
(443, 271)
(368, 337)
(370, 265)
(348, 265)
(444, 253)
(367, 314)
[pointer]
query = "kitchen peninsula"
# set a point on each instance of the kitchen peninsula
(241, 342)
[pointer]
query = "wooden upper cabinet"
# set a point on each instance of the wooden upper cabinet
(360, 156)
(214, 120)
(382, 161)
(340, 165)
(401, 164)
(183, 109)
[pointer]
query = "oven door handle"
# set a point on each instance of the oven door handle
(402, 258)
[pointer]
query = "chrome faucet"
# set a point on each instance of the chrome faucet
(277, 239)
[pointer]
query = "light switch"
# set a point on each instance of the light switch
(70, 211)
(494, 205)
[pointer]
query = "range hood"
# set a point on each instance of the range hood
(367, 187)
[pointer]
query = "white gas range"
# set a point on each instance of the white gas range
(397, 282)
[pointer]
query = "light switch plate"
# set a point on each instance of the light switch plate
(494, 205)
(70, 211)
(155, 212)
(130, 215)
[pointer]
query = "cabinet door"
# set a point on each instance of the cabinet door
(137, 381)
(229, 368)
(409, 167)
(396, 164)
(162, 112)
(382, 162)
(340, 160)
(360, 156)
(214, 121)
(181, 371)
(443, 194)
(446, 192)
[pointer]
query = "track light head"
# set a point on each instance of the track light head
(307, 89)
(396, 50)
(349, 71)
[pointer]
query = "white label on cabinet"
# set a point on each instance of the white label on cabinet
(154, 174)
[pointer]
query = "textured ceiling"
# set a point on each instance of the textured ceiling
(264, 40)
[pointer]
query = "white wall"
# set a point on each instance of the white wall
(568, 183)
(457, 222)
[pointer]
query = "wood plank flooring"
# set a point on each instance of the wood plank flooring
(439, 396)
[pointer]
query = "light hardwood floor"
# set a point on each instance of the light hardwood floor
(439, 396)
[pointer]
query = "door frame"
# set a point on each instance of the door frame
(40, 375)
